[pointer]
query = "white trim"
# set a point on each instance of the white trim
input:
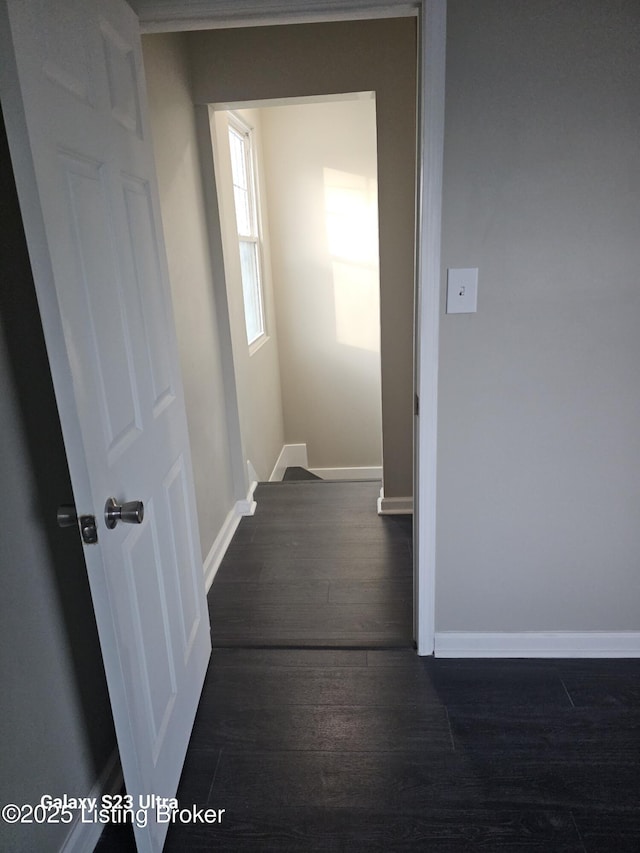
(258, 343)
(176, 15)
(219, 547)
(294, 101)
(224, 537)
(248, 505)
(291, 455)
(239, 129)
(394, 506)
(538, 644)
(83, 837)
(372, 473)
(432, 35)
(212, 211)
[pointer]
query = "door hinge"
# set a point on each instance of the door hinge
(417, 405)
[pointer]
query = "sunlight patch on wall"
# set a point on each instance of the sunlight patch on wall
(351, 217)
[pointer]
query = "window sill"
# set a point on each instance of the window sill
(258, 344)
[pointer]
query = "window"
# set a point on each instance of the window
(245, 196)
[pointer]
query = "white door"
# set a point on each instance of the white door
(74, 102)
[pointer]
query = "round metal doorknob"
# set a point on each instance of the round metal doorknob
(131, 512)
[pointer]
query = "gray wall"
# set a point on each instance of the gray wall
(56, 732)
(186, 237)
(539, 413)
(311, 59)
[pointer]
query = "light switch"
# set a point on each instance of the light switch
(462, 291)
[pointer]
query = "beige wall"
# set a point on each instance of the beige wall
(302, 60)
(256, 369)
(539, 427)
(197, 322)
(320, 166)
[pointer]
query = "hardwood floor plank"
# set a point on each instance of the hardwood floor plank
(337, 563)
(599, 666)
(617, 690)
(197, 777)
(316, 534)
(609, 736)
(346, 493)
(395, 658)
(289, 592)
(309, 623)
(239, 657)
(240, 568)
(390, 782)
(606, 831)
(359, 513)
(274, 687)
(483, 683)
(244, 532)
(377, 592)
(329, 728)
(539, 778)
(327, 831)
(408, 783)
(346, 641)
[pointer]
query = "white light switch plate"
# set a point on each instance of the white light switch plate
(462, 291)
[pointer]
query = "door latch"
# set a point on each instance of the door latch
(67, 517)
(88, 529)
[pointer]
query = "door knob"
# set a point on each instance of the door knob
(130, 513)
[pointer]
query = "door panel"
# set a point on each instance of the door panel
(145, 616)
(94, 291)
(140, 239)
(74, 101)
(186, 591)
(122, 79)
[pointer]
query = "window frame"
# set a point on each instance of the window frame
(245, 133)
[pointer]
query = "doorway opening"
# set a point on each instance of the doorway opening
(186, 78)
(312, 379)
(217, 67)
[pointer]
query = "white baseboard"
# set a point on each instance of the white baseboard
(394, 506)
(83, 837)
(248, 505)
(538, 644)
(224, 537)
(290, 455)
(371, 473)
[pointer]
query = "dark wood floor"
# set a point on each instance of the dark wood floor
(372, 750)
(316, 566)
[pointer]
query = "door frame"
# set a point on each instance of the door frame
(175, 16)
